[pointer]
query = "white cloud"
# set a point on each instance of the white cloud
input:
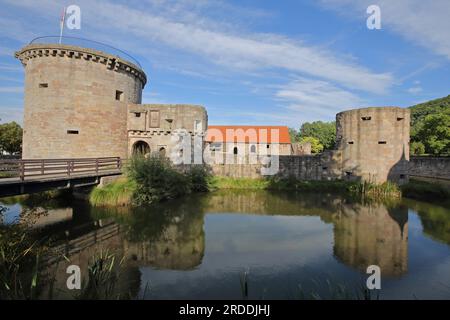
(4, 51)
(8, 114)
(10, 68)
(11, 89)
(236, 49)
(415, 90)
(425, 23)
(316, 99)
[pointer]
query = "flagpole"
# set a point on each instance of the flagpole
(63, 17)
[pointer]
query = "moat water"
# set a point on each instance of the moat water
(286, 245)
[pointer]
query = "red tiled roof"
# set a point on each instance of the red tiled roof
(248, 134)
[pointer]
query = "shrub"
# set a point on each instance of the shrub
(199, 178)
(156, 180)
(417, 148)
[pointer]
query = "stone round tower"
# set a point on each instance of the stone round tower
(76, 101)
(374, 143)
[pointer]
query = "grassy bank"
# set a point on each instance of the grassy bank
(117, 193)
(150, 180)
(422, 190)
(385, 190)
(154, 179)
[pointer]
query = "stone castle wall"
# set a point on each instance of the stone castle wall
(155, 123)
(372, 145)
(430, 167)
(76, 102)
(82, 103)
(308, 167)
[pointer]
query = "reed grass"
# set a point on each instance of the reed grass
(103, 275)
(386, 190)
(19, 260)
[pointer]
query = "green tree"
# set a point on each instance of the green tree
(316, 146)
(325, 132)
(417, 148)
(420, 111)
(294, 135)
(435, 133)
(10, 137)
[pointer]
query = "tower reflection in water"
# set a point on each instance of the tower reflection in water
(171, 236)
(372, 235)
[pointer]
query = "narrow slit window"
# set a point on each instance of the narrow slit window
(119, 95)
(324, 168)
(366, 118)
(381, 142)
(350, 142)
(72, 132)
(43, 85)
(400, 118)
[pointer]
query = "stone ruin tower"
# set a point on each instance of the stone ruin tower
(76, 101)
(374, 143)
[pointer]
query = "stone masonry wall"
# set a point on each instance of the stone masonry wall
(374, 143)
(71, 105)
(308, 167)
(428, 167)
(155, 123)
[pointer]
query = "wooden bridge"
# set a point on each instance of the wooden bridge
(28, 176)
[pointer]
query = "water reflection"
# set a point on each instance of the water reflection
(174, 236)
(372, 235)
(166, 237)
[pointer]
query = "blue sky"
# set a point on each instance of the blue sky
(253, 61)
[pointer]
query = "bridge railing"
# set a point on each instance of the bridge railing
(27, 169)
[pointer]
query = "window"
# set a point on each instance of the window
(216, 146)
(119, 95)
(72, 131)
(154, 119)
(400, 118)
(350, 142)
(253, 148)
(43, 85)
(381, 142)
(324, 168)
(137, 114)
(366, 118)
(235, 150)
(268, 146)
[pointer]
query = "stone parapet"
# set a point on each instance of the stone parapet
(111, 62)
